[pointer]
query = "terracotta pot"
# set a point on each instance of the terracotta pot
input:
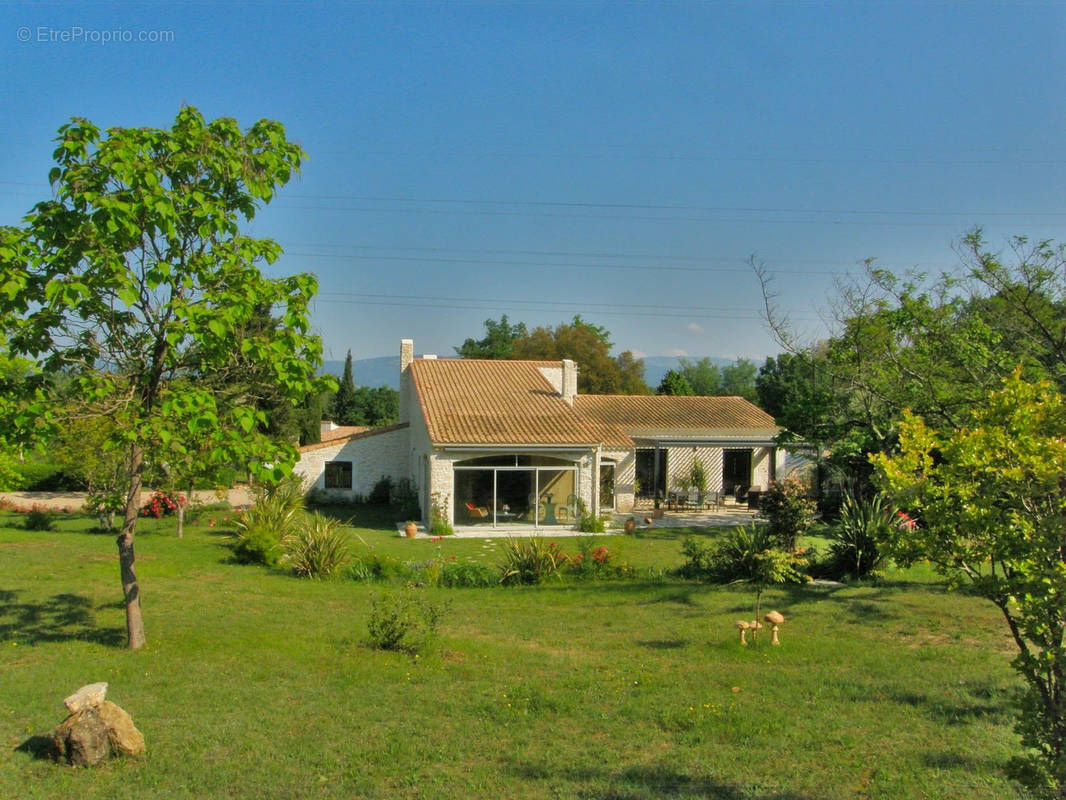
(411, 530)
(629, 526)
(657, 513)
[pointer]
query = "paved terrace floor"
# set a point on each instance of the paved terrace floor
(725, 516)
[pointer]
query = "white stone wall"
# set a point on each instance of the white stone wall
(371, 455)
(419, 448)
(760, 467)
(625, 472)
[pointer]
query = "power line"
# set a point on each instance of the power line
(584, 254)
(531, 301)
(626, 218)
(628, 312)
(672, 207)
(505, 263)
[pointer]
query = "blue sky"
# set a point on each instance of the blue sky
(621, 161)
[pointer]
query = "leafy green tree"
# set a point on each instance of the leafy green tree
(309, 415)
(377, 405)
(588, 345)
(703, 376)
(18, 382)
(738, 380)
(934, 346)
(991, 508)
(675, 383)
(345, 410)
(136, 277)
(498, 341)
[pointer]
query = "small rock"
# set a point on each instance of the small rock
(89, 696)
(83, 739)
(124, 736)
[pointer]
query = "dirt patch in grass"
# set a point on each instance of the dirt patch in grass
(27, 545)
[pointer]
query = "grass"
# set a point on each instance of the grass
(257, 684)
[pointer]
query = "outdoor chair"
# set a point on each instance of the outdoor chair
(477, 512)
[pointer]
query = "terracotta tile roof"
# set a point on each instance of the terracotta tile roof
(362, 433)
(475, 401)
(342, 431)
(667, 416)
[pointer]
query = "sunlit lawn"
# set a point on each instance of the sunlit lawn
(255, 684)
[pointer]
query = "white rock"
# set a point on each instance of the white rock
(89, 696)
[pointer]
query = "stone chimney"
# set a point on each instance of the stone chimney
(407, 355)
(569, 391)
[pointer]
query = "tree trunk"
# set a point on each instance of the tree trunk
(181, 518)
(130, 587)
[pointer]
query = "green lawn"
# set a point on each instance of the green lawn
(258, 685)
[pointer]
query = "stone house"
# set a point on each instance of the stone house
(512, 443)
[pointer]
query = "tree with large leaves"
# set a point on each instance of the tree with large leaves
(991, 508)
(135, 278)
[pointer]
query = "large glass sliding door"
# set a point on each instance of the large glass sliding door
(501, 491)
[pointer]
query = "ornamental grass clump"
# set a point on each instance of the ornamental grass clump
(529, 561)
(854, 541)
(262, 528)
(317, 547)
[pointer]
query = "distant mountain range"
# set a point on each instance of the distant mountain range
(385, 370)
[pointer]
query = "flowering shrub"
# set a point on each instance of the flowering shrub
(439, 525)
(789, 512)
(905, 522)
(39, 518)
(163, 504)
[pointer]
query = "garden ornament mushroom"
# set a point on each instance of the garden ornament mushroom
(742, 626)
(775, 618)
(754, 626)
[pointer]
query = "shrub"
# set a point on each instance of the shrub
(438, 524)
(404, 501)
(39, 518)
(257, 544)
(589, 523)
(317, 548)
(104, 505)
(742, 554)
(467, 574)
(381, 494)
(47, 477)
(698, 476)
(788, 510)
(853, 546)
(401, 622)
(593, 560)
(529, 561)
(163, 504)
(262, 528)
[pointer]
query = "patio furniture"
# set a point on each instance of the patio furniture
(754, 494)
(477, 512)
